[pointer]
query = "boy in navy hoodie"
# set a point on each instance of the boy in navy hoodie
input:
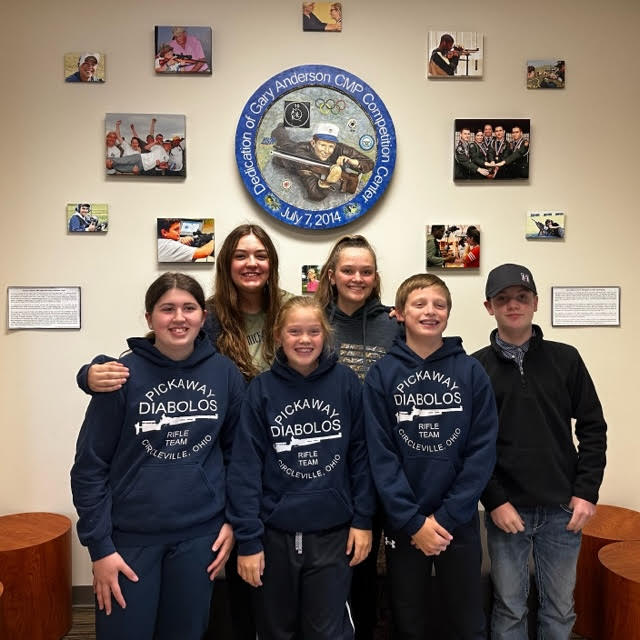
(431, 428)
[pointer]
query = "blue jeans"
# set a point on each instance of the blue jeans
(555, 554)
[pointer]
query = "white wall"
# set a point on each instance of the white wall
(584, 160)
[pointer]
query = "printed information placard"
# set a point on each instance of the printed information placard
(43, 307)
(585, 306)
(315, 147)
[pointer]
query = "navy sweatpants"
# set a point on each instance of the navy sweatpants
(306, 584)
(171, 599)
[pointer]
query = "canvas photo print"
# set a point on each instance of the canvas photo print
(143, 144)
(453, 246)
(310, 275)
(545, 225)
(84, 66)
(183, 50)
(491, 149)
(454, 54)
(185, 239)
(84, 217)
(545, 74)
(322, 16)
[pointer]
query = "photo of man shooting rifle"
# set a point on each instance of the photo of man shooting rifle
(322, 164)
(446, 58)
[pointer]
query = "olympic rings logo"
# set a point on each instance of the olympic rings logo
(325, 107)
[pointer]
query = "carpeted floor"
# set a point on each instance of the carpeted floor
(83, 629)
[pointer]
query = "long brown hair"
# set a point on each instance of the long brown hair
(232, 341)
(327, 292)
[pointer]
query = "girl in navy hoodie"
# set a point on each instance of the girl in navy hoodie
(300, 490)
(148, 480)
(349, 291)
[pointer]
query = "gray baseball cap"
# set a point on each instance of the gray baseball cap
(508, 275)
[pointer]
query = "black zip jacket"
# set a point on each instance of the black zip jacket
(537, 460)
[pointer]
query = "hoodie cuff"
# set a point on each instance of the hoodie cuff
(361, 522)
(444, 519)
(414, 525)
(101, 549)
(250, 547)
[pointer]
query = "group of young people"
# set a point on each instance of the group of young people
(179, 466)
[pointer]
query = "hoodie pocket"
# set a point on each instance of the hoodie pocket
(163, 498)
(310, 511)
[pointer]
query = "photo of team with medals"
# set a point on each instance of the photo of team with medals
(492, 149)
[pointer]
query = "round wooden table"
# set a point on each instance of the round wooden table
(621, 568)
(610, 524)
(35, 567)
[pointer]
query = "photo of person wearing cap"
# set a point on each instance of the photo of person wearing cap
(330, 159)
(542, 491)
(87, 68)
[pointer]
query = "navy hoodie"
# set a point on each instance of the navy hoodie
(364, 337)
(299, 460)
(150, 457)
(431, 430)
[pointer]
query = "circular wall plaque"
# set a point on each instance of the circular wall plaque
(315, 147)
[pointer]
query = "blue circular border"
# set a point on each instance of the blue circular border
(315, 76)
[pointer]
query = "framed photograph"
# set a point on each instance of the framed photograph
(144, 144)
(453, 246)
(186, 239)
(310, 275)
(545, 225)
(84, 66)
(585, 306)
(454, 54)
(43, 307)
(322, 16)
(491, 149)
(83, 217)
(183, 50)
(545, 74)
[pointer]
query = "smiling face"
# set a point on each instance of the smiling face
(425, 315)
(465, 135)
(176, 320)
(479, 137)
(135, 144)
(87, 69)
(488, 131)
(302, 338)
(499, 132)
(111, 138)
(513, 309)
(323, 148)
(250, 265)
(354, 278)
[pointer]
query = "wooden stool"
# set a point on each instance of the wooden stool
(610, 524)
(35, 567)
(621, 568)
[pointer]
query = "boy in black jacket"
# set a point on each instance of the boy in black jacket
(542, 491)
